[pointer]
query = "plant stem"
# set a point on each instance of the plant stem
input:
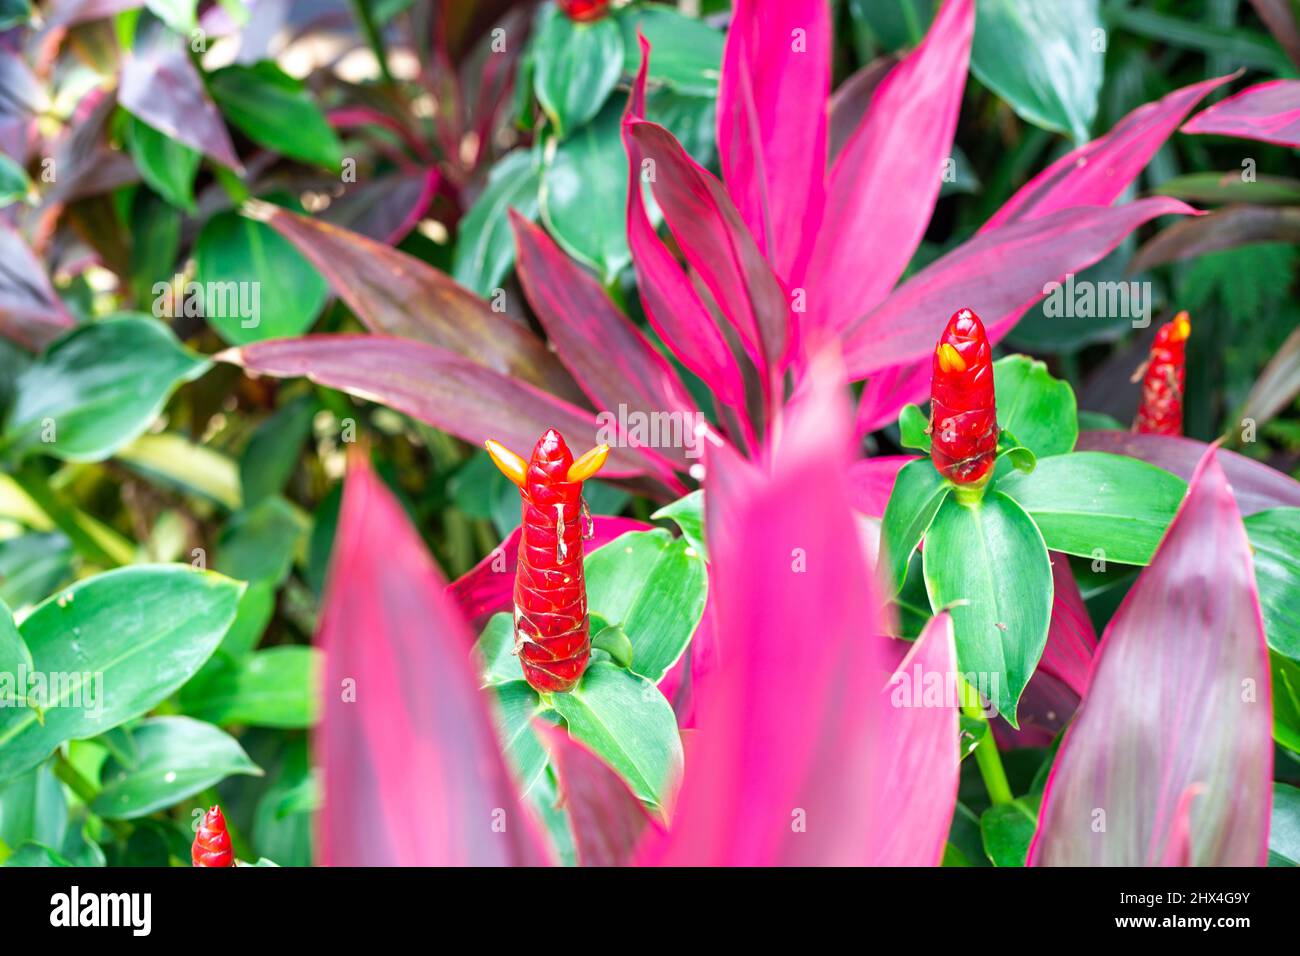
(986, 751)
(373, 38)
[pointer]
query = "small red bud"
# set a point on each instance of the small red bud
(212, 842)
(963, 410)
(1161, 412)
(584, 11)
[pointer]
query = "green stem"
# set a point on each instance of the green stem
(367, 23)
(986, 751)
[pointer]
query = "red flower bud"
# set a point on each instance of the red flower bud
(1161, 412)
(584, 11)
(963, 410)
(212, 842)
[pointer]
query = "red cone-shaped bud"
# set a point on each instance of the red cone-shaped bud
(1161, 412)
(212, 842)
(963, 410)
(584, 11)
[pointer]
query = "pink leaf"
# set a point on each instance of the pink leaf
(1255, 485)
(1097, 173)
(441, 388)
(487, 588)
(1268, 112)
(608, 820)
(671, 302)
(607, 354)
(887, 391)
(31, 313)
(871, 482)
(1179, 698)
(1071, 638)
(772, 118)
(413, 772)
(887, 178)
(396, 294)
(999, 274)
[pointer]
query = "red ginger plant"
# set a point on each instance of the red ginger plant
(964, 415)
(212, 842)
(1164, 375)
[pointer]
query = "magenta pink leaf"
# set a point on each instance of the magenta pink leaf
(1071, 638)
(886, 180)
(413, 772)
(31, 314)
(396, 294)
(772, 120)
(1269, 112)
(671, 302)
(852, 98)
(607, 819)
(871, 482)
(1179, 698)
(887, 391)
(1255, 485)
(999, 274)
(1097, 173)
(487, 588)
(438, 387)
(610, 358)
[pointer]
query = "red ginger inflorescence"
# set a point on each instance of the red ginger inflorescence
(1161, 412)
(584, 11)
(963, 409)
(552, 635)
(212, 842)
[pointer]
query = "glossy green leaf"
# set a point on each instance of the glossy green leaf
(31, 566)
(991, 557)
(276, 687)
(687, 54)
(1098, 505)
(119, 643)
(14, 184)
(497, 661)
(176, 758)
(1285, 674)
(914, 429)
(1017, 457)
(166, 164)
(255, 284)
(13, 655)
(276, 111)
(614, 642)
(1045, 60)
(282, 822)
(485, 246)
(1275, 540)
(653, 586)
(177, 462)
(626, 721)
(584, 194)
(33, 808)
(1284, 826)
(272, 451)
(918, 492)
(1008, 829)
(34, 854)
(97, 388)
(259, 544)
(517, 706)
(1039, 409)
(688, 513)
(575, 67)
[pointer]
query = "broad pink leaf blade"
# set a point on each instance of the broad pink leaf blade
(1191, 636)
(1071, 638)
(887, 178)
(772, 121)
(608, 820)
(1268, 112)
(488, 587)
(672, 304)
(1097, 173)
(1255, 485)
(438, 387)
(393, 293)
(871, 482)
(612, 361)
(413, 772)
(718, 245)
(887, 391)
(31, 313)
(999, 274)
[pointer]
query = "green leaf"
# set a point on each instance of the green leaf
(1286, 700)
(33, 808)
(1008, 829)
(255, 284)
(272, 451)
(31, 566)
(1039, 409)
(614, 642)
(14, 12)
(276, 111)
(118, 644)
(688, 513)
(1275, 540)
(495, 651)
(1019, 458)
(914, 429)
(34, 854)
(1042, 60)
(687, 54)
(971, 730)
(1099, 421)
(517, 706)
(991, 556)
(277, 687)
(97, 388)
(259, 544)
(485, 244)
(584, 194)
(1284, 826)
(918, 492)
(575, 67)
(625, 720)
(167, 165)
(653, 586)
(176, 758)
(282, 822)
(177, 14)
(172, 460)
(13, 655)
(1098, 505)
(14, 184)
